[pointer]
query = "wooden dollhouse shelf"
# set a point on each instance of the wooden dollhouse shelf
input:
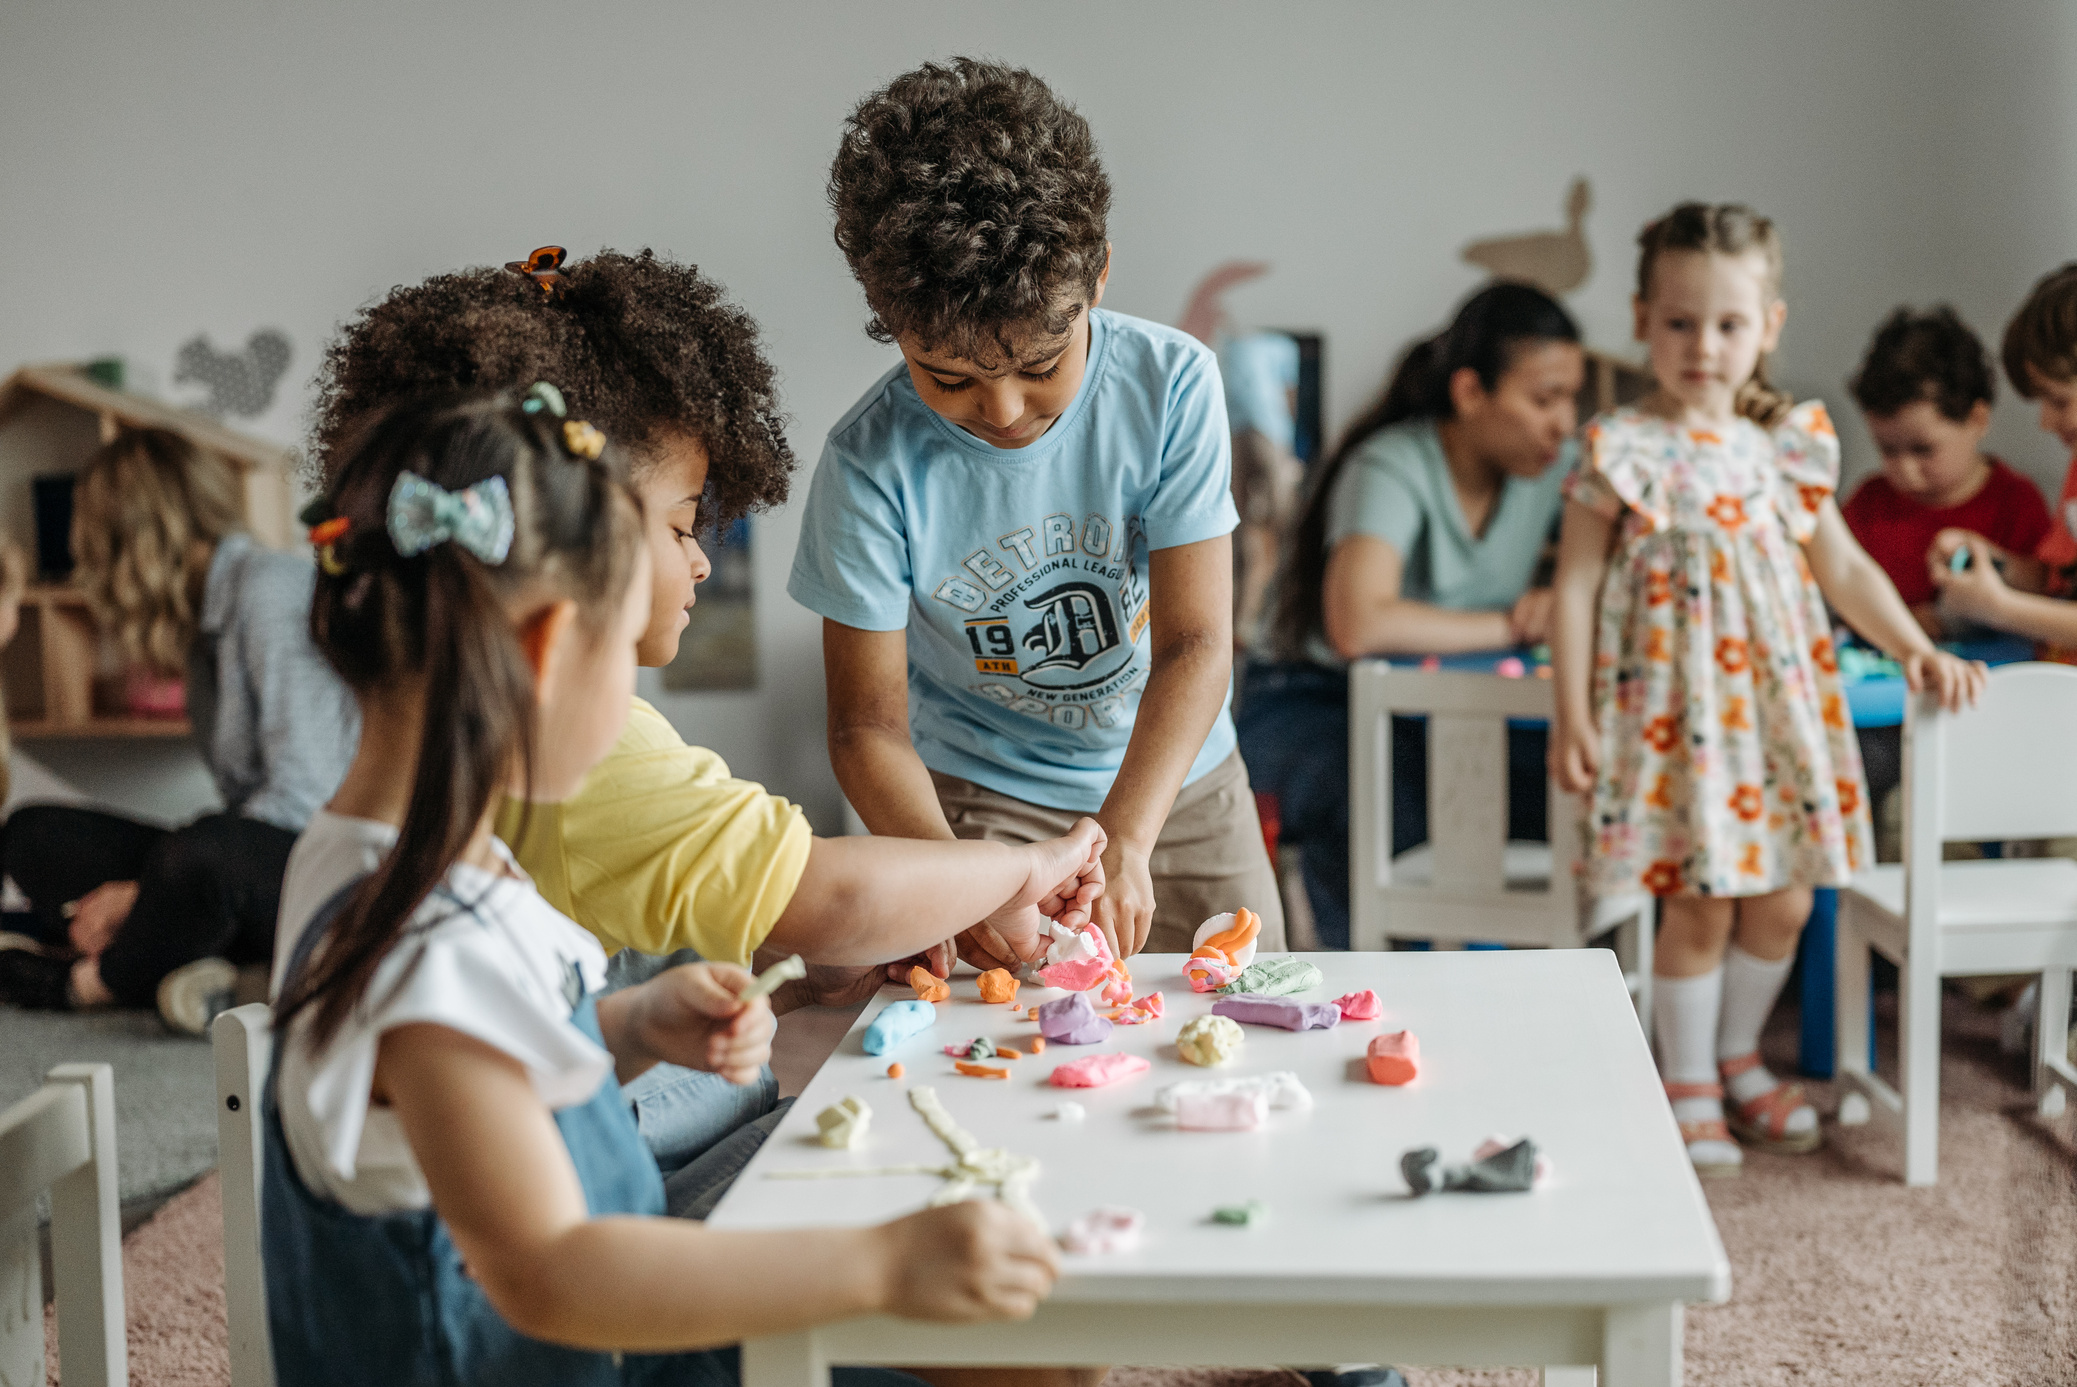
(50, 668)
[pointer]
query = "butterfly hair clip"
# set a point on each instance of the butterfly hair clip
(544, 266)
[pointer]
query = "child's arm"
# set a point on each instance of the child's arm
(1978, 594)
(1583, 541)
(1363, 613)
(1862, 593)
(502, 1181)
(1191, 589)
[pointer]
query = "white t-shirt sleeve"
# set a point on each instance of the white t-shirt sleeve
(506, 972)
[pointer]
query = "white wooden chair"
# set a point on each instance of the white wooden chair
(1467, 882)
(244, 1048)
(2004, 769)
(61, 1138)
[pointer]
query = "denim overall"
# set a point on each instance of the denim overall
(367, 1299)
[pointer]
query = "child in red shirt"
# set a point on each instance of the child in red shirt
(1925, 389)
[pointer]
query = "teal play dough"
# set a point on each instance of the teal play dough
(1275, 977)
(897, 1023)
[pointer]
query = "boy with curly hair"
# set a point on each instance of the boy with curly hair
(1019, 540)
(662, 850)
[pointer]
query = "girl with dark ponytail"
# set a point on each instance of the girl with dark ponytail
(452, 1184)
(1419, 535)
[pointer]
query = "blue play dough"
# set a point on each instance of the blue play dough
(896, 1024)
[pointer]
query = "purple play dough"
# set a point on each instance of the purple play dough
(1254, 1009)
(1072, 1021)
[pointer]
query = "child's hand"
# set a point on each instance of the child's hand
(98, 914)
(1065, 880)
(1530, 620)
(974, 1261)
(1956, 682)
(1125, 911)
(1575, 756)
(1978, 592)
(691, 1015)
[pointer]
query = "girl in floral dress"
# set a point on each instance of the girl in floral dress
(1698, 695)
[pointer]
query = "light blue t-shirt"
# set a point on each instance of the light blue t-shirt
(1020, 574)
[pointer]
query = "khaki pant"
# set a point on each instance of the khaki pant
(1209, 858)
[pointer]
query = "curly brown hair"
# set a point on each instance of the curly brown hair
(2041, 340)
(971, 205)
(1924, 356)
(640, 345)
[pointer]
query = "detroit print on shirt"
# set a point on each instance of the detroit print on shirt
(1021, 575)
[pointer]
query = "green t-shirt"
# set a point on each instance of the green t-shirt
(1397, 487)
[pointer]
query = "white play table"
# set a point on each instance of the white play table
(1591, 1270)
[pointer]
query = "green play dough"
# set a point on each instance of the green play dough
(1274, 977)
(1242, 1215)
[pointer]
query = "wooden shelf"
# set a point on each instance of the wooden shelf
(28, 730)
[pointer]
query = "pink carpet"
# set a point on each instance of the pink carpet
(1842, 1277)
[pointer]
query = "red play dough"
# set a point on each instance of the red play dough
(1395, 1058)
(1360, 1006)
(1094, 1071)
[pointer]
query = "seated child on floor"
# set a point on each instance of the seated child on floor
(2040, 357)
(1925, 389)
(452, 1189)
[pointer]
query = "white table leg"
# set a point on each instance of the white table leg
(1641, 1346)
(1568, 1377)
(793, 1360)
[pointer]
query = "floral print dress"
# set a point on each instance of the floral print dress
(1728, 760)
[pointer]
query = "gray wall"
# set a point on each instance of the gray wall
(224, 166)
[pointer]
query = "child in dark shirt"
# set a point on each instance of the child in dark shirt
(1925, 389)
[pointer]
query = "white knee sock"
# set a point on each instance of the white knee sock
(1684, 1013)
(1751, 987)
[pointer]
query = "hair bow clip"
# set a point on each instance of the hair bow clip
(543, 266)
(541, 395)
(423, 513)
(583, 440)
(323, 536)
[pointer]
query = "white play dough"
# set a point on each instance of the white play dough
(1219, 924)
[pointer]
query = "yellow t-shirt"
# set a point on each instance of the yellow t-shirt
(661, 849)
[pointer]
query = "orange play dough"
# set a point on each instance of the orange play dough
(980, 1071)
(895, 1071)
(998, 986)
(1395, 1058)
(1228, 943)
(929, 986)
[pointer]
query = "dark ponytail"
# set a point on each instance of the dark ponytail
(443, 617)
(1486, 336)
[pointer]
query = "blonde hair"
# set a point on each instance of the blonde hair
(1723, 228)
(139, 507)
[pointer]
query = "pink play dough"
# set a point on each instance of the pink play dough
(1104, 1230)
(1395, 1058)
(1094, 1071)
(1360, 1006)
(1222, 1112)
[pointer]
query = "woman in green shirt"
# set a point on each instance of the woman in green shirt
(1421, 535)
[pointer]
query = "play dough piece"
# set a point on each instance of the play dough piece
(1077, 960)
(979, 1048)
(1495, 1144)
(1254, 1009)
(1072, 1021)
(1395, 1058)
(1208, 974)
(1510, 1170)
(1070, 1112)
(1141, 1010)
(1209, 1041)
(1241, 1215)
(843, 1123)
(1238, 1111)
(1095, 1071)
(998, 986)
(1275, 977)
(1430, 663)
(929, 986)
(980, 1071)
(1118, 991)
(1231, 936)
(1360, 1006)
(1006, 1052)
(897, 1023)
(895, 1071)
(1279, 1090)
(1037, 1044)
(1510, 667)
(1101, 1231)
(767, 982)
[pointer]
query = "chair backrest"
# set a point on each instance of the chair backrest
(61, 1138)
(1466, 895)
(244, 1049)
(2006, 768)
